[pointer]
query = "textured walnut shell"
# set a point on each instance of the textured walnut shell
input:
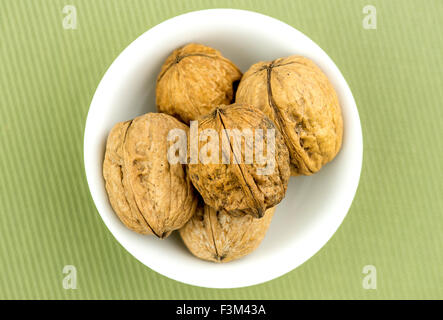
(193, 79)
(149, 195)
(240, 187)
(220, 237)
(302, 102)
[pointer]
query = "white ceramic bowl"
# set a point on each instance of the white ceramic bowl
(314, 206)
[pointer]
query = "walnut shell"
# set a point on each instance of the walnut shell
(302, 102)
(193, 79)
(220, 237)
(149, 195)
(240, 186)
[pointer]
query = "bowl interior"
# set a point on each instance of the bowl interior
(313, 207)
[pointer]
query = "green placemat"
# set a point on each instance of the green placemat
(48, 75)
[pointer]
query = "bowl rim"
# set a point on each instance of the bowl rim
(196, 15)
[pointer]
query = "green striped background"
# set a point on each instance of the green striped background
(48, 76)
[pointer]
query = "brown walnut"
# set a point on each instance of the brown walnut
(238, 185)
(149, 195)
(220, 237)
(193, 80)
(299, 98)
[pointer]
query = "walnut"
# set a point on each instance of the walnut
(220, 237)
(193, 79)
(237, 176)
(149, 195)
(302, 102)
